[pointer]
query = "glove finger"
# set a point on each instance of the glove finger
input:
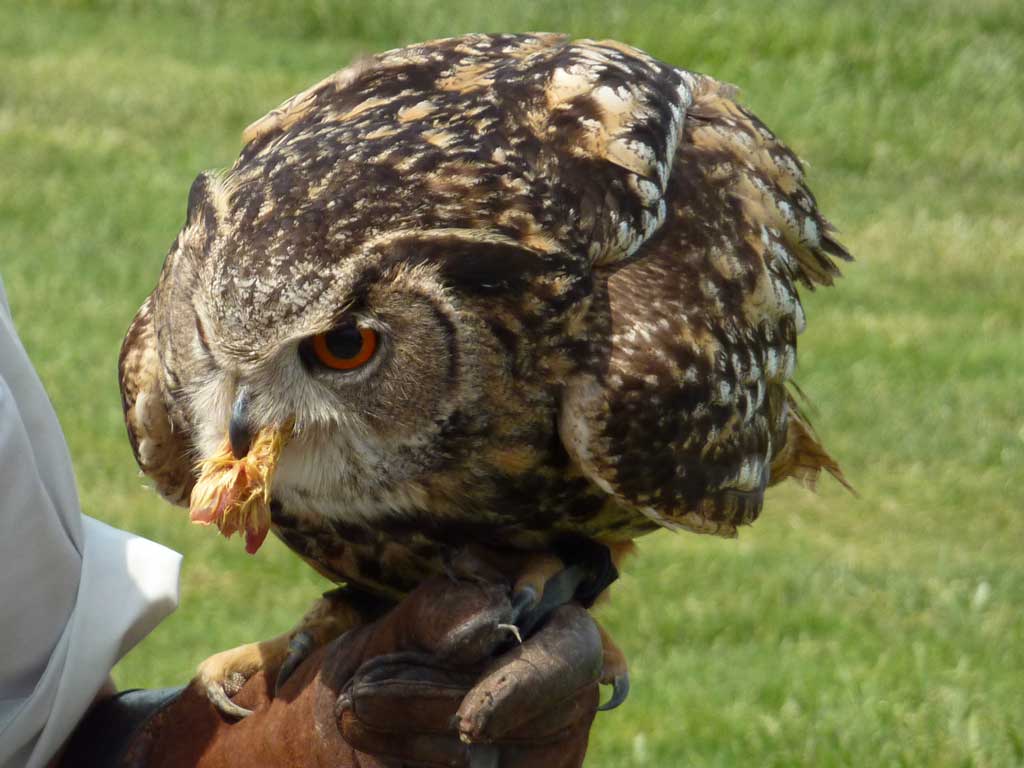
(462, 622)
(401, 706)
(404, 693)
(421, 749)
(537, 684)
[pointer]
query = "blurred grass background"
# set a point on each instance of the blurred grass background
(885, 630)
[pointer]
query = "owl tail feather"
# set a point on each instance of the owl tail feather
(803, 456)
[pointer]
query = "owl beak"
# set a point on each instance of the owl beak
(239, 429)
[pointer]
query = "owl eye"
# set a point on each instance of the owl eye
(344, 348)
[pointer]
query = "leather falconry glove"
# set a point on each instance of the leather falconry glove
(440, 680)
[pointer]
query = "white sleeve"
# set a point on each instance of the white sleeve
(75, 594)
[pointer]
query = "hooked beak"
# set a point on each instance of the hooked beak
(239, 429)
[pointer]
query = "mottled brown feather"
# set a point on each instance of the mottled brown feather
(588, 263)
(689, 420)
(161, 448)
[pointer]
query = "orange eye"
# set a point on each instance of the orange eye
(346, 347)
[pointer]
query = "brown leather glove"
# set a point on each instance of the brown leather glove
(438, 681)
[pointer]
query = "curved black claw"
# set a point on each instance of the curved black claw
(299, 648)
(620, 691)
(522, 601)
(597, 561)
(559, 590)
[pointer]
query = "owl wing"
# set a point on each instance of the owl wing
(683, 412)
(158, 438)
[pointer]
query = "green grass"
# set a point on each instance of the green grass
(880, 630)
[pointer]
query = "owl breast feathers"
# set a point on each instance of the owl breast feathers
(582, 267)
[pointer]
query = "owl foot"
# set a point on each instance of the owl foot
(222, 675)
(620, 692)
(546, 581)
(533, 579)
(559, 590)
(530, 606)
(330, 617)
(300, 646)
(614, 671)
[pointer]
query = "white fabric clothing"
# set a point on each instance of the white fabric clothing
(75, 593)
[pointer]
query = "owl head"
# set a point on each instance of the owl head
(399, 264)
(388, 353)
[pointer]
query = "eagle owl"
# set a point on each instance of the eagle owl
(498, 290)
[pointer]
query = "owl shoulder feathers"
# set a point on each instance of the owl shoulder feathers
(685, 413)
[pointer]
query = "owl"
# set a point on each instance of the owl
(517, 293)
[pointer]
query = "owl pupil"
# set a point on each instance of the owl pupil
(344, 342)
